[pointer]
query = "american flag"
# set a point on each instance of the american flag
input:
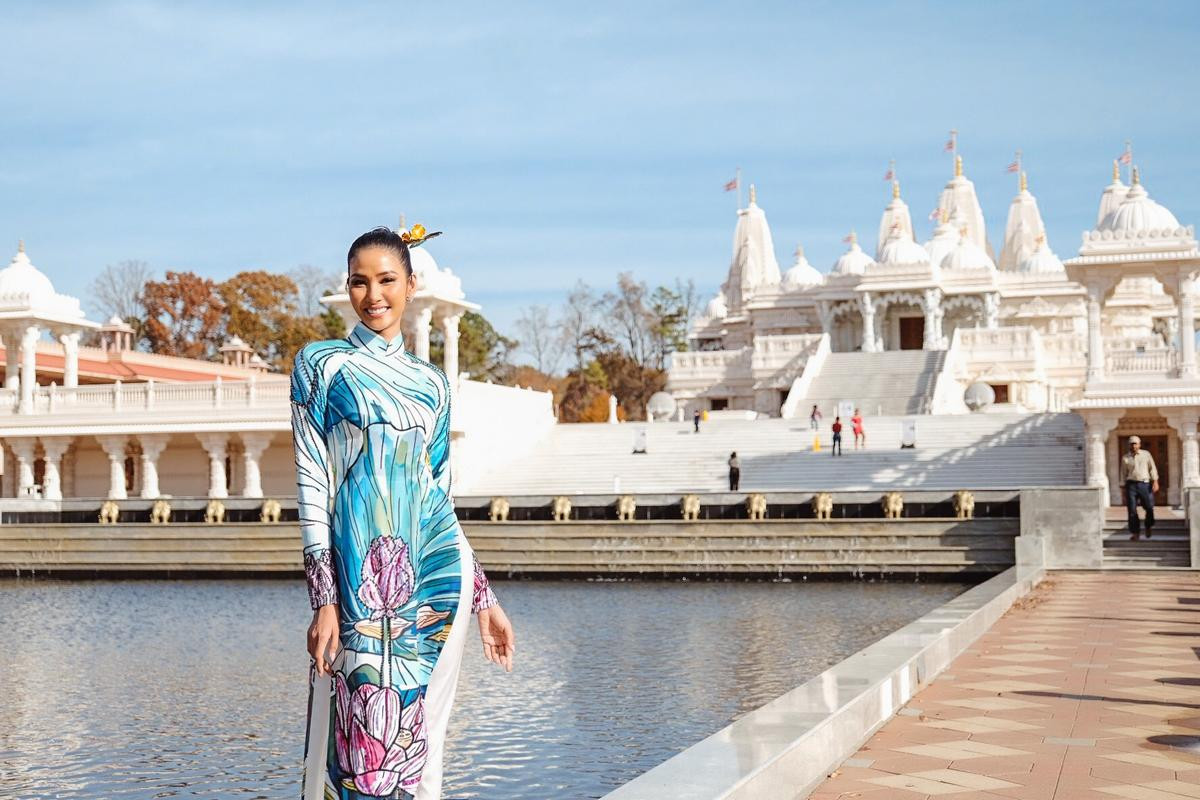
(889, 175)
(848, 238)
(935, 214)
(732, 185)
(951, 143)
(1125, 157)
(1013, 167)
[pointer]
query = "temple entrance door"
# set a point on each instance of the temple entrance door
(1156, 446)
(912, 333)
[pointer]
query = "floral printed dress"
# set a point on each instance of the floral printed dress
(371, 425)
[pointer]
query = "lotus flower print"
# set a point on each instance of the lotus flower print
(379, 745)
(387, 577)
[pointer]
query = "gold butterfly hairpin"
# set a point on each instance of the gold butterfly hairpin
(416, 235)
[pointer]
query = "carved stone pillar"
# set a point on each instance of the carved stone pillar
(152, 446)
(870, 344)
(52, 453)
(933, 319)
(23, 449)
(1097, 427)
(1184, 420)
(1095, 368)
(450, 360)
(991, 310)
(1187, 326)
(253, 445)
(114, 448)
(12, 358)
(217, 447)
(70, 343)
(29, 340)
(421, 344)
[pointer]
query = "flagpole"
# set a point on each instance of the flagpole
(1129, 152)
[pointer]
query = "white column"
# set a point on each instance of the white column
(1097, 427)
(70, 343)
(152, 446)
(114, 448)
(1095, 369)
(450, 360)
(23, 449)
(1183, 420)
(253, 445)
(933, 320)
(29, 340)
(869, 343)
(217, 447)
(991, 310)
(52, 453)
(421, 347)
(1187, 327)
(12, 358)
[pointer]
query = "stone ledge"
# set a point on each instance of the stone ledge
(787, 747)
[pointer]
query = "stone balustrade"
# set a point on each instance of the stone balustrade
(1140, 361)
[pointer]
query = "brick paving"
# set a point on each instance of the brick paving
(1087, 689)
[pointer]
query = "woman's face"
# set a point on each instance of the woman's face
(379, 289)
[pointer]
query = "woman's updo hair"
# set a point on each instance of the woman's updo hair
(381, 237)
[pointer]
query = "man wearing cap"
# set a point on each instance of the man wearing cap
(1139, 482)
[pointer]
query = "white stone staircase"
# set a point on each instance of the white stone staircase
(893, 382)
(977, 451)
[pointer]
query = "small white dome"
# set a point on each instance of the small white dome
(945, 239)
(24, 285)
(1138, 212)
(801, 273)
(1042, 259)
(422, 262)
(967, 255)
(901, 249)
(716, 307)
(854, 261)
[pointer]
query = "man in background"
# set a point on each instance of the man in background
(1139, 482)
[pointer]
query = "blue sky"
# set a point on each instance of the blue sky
(562, 141)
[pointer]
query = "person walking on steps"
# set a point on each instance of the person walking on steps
(696, 421)
(735, 471)
(814, 418)
(1139, 482)
(836, 447)
(856, 425)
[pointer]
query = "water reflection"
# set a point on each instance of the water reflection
(153, 689)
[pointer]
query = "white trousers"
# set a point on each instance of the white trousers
(439, 699)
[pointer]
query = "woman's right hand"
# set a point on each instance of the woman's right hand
(324, 639)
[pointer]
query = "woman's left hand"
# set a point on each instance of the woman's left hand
(496, 631)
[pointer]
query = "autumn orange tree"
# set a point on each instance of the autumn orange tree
(184, 315)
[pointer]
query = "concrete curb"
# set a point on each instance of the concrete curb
(786, 748)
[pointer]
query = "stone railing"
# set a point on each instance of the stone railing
(1015, 343)
(707, 365)
(132, 397)
(773, 352)
(1138, 361)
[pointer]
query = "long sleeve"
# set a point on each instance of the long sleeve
(312, 480)
(1153, 468)
(439, 461)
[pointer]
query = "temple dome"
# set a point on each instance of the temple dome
(854, 261)
(901, 249)
(1138, 212)
(433, 279)
(1023, 229)
(801, 273)
(895, 217)
(24, 285)
(716, 308)
(945, 239)
(959, 197)
(1042, 259)
(967, 255)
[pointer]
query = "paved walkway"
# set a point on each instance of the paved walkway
(1088, 689)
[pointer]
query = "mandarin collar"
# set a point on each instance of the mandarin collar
(369, 340)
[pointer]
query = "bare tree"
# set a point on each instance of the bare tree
(630, 319)
(312, 283)
(578, 321)
(541, 338)
(118, 289)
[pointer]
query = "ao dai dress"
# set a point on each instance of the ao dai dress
(371, 424)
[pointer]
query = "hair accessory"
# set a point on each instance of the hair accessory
(416, 235)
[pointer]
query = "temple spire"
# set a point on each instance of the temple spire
(958, 166)
(753, 196)
(20, 245)
(895, 189)
(1136, 179)
(1024, 183)
(1116, 171)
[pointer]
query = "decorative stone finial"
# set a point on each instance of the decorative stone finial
(20, 245)
(1024, 183)
(799, 253)
(753, 196)
(853, 238)
(958, 166)
(895, 190)
(944, 217)
(1116, 171)
(1136, 179)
